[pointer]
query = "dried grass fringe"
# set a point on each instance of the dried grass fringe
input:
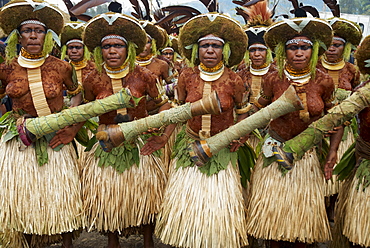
(253, 141)
(332, 186)
(13, 239)
(114, 201)
(167, 150)
(202, 211)
(353, 213)
(42, 200)
(291, 207)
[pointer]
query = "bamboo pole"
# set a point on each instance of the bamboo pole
(202, 151)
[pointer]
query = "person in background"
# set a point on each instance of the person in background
(346, 77)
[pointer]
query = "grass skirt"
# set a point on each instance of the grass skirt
(352, 214)
(253, 141)
(202, 211)
(291, 207)
(332, 186)
(167, 150)
(114, 201)
(39, 200)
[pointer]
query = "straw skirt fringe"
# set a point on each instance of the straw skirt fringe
(291, 207)
(354, 212)
(41, 200)
(332, 186)
(167, 150)
(13, 239)
(114, 201)
(202, 211)
(253, 141)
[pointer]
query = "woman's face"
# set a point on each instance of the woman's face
(335, 51)
(257, 55)
(210, 52)
(147, 48)
(298, 54)
(168, 53)
(32, 37)
(114, 52)
(75, 51)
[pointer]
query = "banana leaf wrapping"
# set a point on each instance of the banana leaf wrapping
(288, 102)
(174, 115)
(283, 105)
(336, 117)
(51, 123)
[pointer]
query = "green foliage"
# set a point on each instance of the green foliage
(131, 55)
(87, 54)
(280, 57)
(347, 51)
(63, 52)
(41, 146)
(322, 150)
(11, 47)
(346, 164)
(217, 163)
(123, 157)
(194, 55)
(363, 174)
(226, 52)
(358, 7)
(314, 58)
(246, 161)
(48, 44)
(154, 47)
(98, 58)
(8, 126)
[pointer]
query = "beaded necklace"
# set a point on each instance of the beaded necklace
(213, 73)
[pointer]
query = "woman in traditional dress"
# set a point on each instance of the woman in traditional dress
(121, 189)
(352, 213)
(258, 59)
(203, 207)
(288, 205)
(40, 188)
(156, 40)
(75, 51)
(346, 77)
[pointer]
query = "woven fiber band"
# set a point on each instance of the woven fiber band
(211, 38)
(114, 37)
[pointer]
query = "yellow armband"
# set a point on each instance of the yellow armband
(76, 91)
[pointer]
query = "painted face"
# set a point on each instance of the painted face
(147, 49)
(210, 52)
(32, 37)
(257, 56)
(168, 53)
(75, 51)
(114, 52)
(298, 55)
(335, 51)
